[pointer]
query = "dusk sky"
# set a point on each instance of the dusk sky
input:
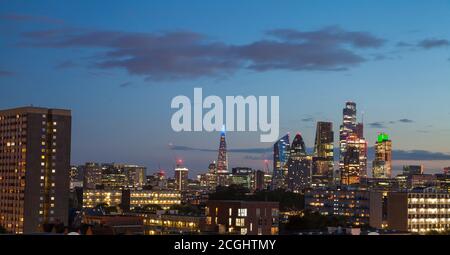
(118, 64)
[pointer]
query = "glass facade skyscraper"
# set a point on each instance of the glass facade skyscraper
(299, 166)
(280, 160)
(323, 158)
(352, 148)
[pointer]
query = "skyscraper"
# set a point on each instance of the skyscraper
(362, 150)
(350, 174)
(347, 128)
(299, 166)
(382, 165)
(323, 160)
(280, 163)
(181, 176)
(34, 168)
(352, 144)
(222, 161)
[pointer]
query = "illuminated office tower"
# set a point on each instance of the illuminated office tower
(34, 168)
(280, 163)
(347, 128)
(323, 160)
(181, 176)
(299, 166)
(362, 150)
(351, 172)
(382, 165)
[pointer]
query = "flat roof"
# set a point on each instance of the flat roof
(33, 109)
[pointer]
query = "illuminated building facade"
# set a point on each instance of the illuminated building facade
(113, 176)
(76, 175)
(418, 212)
(34, 168)
(347, 128)
(323, 158)
(413, 170)
(243, 176)
(173, 224)
(92, 175)
(299, 166)
(352, 203)
(352, 148)
(131, 199)
(353, 164)
(181, 177)
(242, 217)
(280, 163)
(382, 165)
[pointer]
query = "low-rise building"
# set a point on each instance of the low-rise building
(412, 211)
(419, 211)
(170, 224)
(242, 217)
(349, 202)
(131, 199)
(114, 224)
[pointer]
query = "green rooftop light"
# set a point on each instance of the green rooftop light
(383, 137)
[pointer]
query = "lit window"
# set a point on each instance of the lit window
(242, 212)
(240, 222)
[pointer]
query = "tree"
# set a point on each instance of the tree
(232, 192)
(314, 221)
(187, 209)
(288, 200)
(106, 208)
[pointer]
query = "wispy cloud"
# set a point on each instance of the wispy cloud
(66, 64)
(406, 121)
(382, 124)
(4, 73)
(433, 43)
(307, 119)
(190, 55)
(126, 84)
(377, 125)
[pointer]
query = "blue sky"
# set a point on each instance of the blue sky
(391, 57)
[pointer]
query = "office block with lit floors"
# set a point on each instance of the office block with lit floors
(34, 168)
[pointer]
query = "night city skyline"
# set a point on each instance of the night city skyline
(314, 56)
